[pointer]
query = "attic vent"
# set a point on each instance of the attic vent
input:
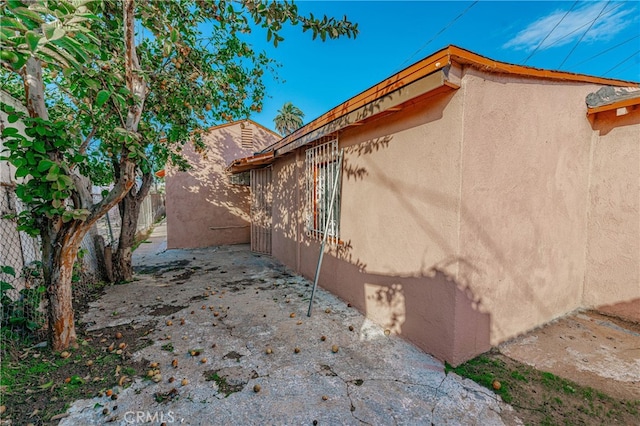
(246, 135)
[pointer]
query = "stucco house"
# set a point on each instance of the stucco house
(205, 205)
(477, 199)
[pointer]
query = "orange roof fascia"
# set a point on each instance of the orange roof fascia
(481, 62)
(620, 104)
(432, 63)
(395, 82)
(242, 164)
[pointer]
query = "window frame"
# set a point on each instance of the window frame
(321, 166)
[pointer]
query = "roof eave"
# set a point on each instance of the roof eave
(445, 64)
(243, 164)
(625, 103)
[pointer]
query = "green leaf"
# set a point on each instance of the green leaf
(9, 131)
(102, 97)
(22, 172)
(92, 83)
(19, 161)
(8, 270)
(66, 217)
(56, 34)
(13, 118)
(45, 165)
(25, 14)
(10, 57)
(174, 35)
(38, 145)
(32, 40)
(10, 23)
(66, 181)
(4, 286)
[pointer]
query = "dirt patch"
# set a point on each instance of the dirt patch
(588, 348)
(162, 268)
(230, 380)
(235, 286)
(181, 278)
(233, 355)
(38, 384)
(164, 310)
(540, 397)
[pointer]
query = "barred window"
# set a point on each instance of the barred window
(322, 168)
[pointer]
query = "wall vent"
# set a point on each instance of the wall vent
(246, 136)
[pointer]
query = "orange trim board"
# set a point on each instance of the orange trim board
(620, 104)
(440, 60)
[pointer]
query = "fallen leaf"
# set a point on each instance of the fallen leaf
(59, 416)
(122, 380)
(46, 385)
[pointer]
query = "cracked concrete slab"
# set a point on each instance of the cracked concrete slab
(237, 321)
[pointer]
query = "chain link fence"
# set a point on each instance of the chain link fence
(23, 296)
(22, 292)
(152, 209)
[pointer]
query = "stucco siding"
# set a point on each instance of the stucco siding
(203, 207)
(613, 246)
(524, 198)
(286, 210)
(399, 224)
(471, 217)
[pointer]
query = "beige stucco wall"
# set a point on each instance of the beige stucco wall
(472, 217)
(399, 226)
(203, 208)
(613, 245)
(524, 198)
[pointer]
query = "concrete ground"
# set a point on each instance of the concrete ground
(218, 312)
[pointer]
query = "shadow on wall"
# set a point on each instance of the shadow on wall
(287, 215)
(469, 274)
(434, 310)
(203, 207)
(207, 177)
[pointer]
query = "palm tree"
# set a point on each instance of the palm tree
(288, 119)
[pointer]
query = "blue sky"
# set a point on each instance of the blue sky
(590, 37)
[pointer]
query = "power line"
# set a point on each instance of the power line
(584, 34)
(624, 69)
(446, 27)
(607, 50)
(636, 53)
(552, 30)
(583, 25)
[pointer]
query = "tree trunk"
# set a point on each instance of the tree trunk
(129, 208)
(59, 253)
(129, 213)
(122, 262)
